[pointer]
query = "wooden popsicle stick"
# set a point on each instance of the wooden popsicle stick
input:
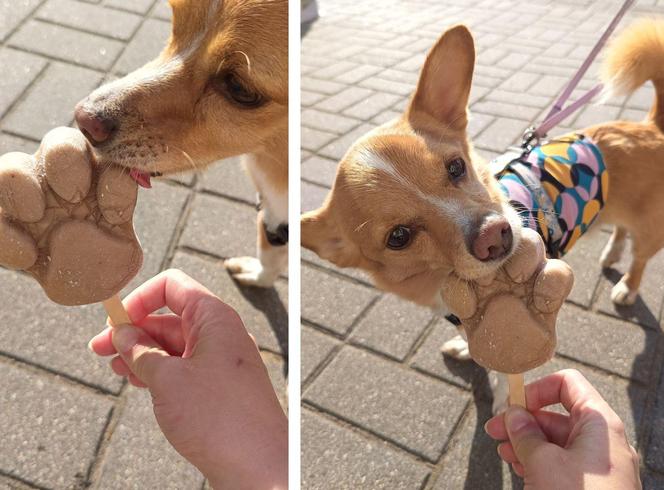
(116, 311)
(517, 390)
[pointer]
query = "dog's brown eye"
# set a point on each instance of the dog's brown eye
(240, 93)
(399, 238)
(456, 169)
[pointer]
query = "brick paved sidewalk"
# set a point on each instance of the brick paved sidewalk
(65, 420)
(381, 407)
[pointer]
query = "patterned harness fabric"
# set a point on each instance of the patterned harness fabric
(558, 188)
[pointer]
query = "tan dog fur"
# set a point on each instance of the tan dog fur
(396, 175)
(177, 114)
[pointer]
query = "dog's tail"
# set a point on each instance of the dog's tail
(634, 57)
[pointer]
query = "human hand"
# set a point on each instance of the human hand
(211, 392)
(586, 449)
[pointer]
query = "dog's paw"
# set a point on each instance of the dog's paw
(510, 318)
(67, 220)
(622, 295)
(249, 271)
(456, 348)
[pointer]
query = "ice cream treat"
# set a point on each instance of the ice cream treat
(68, 220)
(510, 317)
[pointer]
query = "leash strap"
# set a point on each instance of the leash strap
(557, 113)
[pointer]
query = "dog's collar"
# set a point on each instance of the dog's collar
(277, 238)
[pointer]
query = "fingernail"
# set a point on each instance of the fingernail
(485, 426)
(90, 344)
(124, 338)
(516, 418)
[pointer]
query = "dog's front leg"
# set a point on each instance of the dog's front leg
(271, 181)
(272, 252)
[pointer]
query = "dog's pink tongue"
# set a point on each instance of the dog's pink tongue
(141, 178)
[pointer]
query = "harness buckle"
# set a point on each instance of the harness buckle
(530, 139)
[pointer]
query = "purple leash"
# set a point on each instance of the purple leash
(557, 112)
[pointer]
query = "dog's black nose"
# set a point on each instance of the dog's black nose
(493, 239)
(96, 128)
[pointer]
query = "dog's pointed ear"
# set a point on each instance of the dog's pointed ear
(444, 86)
(321, 234)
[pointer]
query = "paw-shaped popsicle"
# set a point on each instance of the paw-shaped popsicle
(510, 317)
(68, 220)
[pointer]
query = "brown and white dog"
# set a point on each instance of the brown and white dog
(219, 89)
(411, 199)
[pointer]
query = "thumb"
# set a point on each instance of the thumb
(524, 433)
(143, 355)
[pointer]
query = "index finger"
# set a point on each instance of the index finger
(567, 387)
(172, 288)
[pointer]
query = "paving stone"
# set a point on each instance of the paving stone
(321, 86)
(357, 74)
(378, 84)
(550, 85)
(319, 170)
(41, 417)
(421, 419)
(220, 227)
(322, 294)
(264, 311)
(67, 44)
(520, 81)
(10, 143)
(505, 110)
(595, 114)
(333, 70)
(386, 116)
(138, 6)
(392, 326)
(39, 111)
(314, 140)
(316, 346)
(156, 464)
(162, 10)
(652, 481)
(312, 197)
(482, 467)
(429, 359)
(372, 105)
(229, 178)
(34, 321)
(338, 148)
(502, 133)
(13, 12)
(90, 18)
(584, 260)
(351, 460)
(519, 99)
(613, 345)
(145, 46)
(21, 69)
(342, 100)
(310, 98)
(277, 369)
(325, 121)
(155, 234)
(647, 309)
(655, 454)
(478, 123)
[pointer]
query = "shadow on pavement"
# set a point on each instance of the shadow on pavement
(271, 305)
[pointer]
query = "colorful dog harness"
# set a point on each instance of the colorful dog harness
(558, 188)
